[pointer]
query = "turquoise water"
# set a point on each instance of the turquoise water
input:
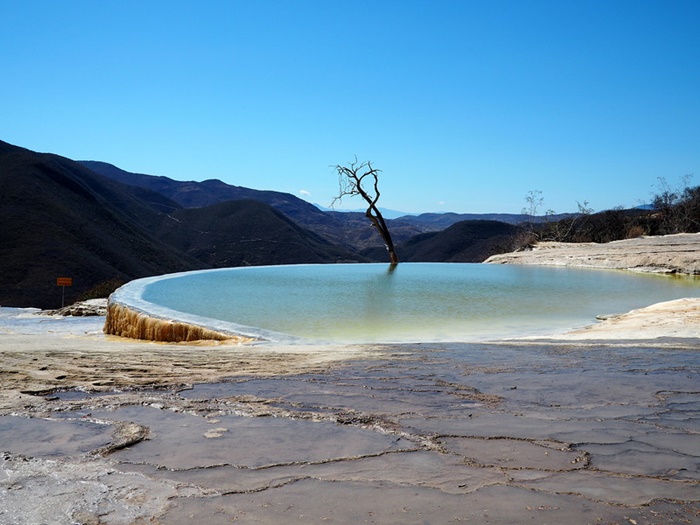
(414, 302)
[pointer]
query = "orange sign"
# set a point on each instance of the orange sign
(64, 281)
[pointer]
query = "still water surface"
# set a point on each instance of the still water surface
(413, 302)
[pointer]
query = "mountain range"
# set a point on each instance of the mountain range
(351, 229)
(102, 226)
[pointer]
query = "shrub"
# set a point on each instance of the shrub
(102, 289)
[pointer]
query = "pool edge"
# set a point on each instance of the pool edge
(125, 321)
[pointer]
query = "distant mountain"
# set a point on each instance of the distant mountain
(386, 212)
(465, 241)
(193, 194)
(440, 221)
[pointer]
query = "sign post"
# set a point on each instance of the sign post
(63, 282)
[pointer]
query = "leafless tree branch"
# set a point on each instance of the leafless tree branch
(351, 182)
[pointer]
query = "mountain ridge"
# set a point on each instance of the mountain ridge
(347, 228)
(192, 194)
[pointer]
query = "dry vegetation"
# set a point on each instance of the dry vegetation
(673, 211)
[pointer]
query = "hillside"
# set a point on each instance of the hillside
(466, 241)
(62, 220)
(244, 233)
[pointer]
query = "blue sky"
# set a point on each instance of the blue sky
(465, 106)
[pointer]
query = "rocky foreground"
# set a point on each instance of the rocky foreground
(673, 254)
(534, 433)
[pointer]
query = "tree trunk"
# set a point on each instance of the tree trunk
(378, 222)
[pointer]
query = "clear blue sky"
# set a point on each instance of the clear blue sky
(464, 105)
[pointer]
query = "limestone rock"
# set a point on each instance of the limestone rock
(678, 253)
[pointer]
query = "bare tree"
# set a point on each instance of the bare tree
(363, 179)
(678, 206)
(534, 202)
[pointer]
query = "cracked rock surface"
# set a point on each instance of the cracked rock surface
(536, 432)
(676, 253)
